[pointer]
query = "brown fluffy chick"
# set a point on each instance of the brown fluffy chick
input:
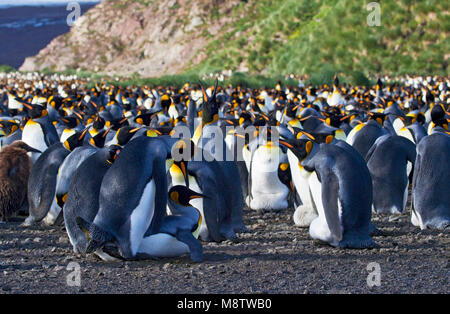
(15, 168)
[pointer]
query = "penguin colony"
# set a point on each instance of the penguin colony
(143, 172)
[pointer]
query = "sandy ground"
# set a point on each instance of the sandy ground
(275, 257)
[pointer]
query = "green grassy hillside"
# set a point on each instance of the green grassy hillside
(304, 36)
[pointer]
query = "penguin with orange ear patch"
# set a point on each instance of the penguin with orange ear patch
(363, 136)
(11, 132)
(15, 168)
(38, 132)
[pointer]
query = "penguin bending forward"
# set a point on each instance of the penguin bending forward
(342, 193)
(179, 231)
(133, 196)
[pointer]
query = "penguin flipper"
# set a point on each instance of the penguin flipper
(330, 197)
(211, 207)
(195, 247)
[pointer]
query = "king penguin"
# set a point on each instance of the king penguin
(67, 170)
(430, 197)
(179, 231)
(342, 193)
(203, 137)
(390, 161)
(82, 201)
(133, 196)
(42, 182)
(38, 132)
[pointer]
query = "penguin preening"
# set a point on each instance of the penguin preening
(15, 168)
(42, 181)
(82, 204)
(341, 187)
(129, 209)
(179, 231)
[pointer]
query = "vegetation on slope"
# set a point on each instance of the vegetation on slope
(304, 36)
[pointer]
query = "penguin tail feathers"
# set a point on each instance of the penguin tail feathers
(98, 238)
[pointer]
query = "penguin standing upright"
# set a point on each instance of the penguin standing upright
(15, 168)
(217, 148)
(430, 197)
(38, 132)
(267, 192)
(341, 187)
(390, 161)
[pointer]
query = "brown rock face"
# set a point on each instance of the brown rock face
(148, 37)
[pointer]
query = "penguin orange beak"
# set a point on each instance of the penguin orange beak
(78, 115)
(286, 144)
(106, 132)
(135, 130)
(196, 196)
(83, 134)
(183, 167)
(27, 106)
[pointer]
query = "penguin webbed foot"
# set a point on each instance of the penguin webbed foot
(29, 221)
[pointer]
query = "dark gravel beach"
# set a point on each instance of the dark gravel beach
(275, 257)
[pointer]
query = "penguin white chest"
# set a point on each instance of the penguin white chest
(267, 191)
(33, 135)
(162, 245)
(141, 216)
(320, 227)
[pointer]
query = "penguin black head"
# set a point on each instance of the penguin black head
(35, 111)
(379, 85)
(183, 195)
(124, 134)
(210, 109)
(145, 118)
(336, 81)
(437, 113)
(117, 124)
(300, 147)
(98, 123)
(378, 116)
(99, 139)
(183, 151)
(113, 152)
(9, 127)
(70, 121)
(75, 140)
(165, 102)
